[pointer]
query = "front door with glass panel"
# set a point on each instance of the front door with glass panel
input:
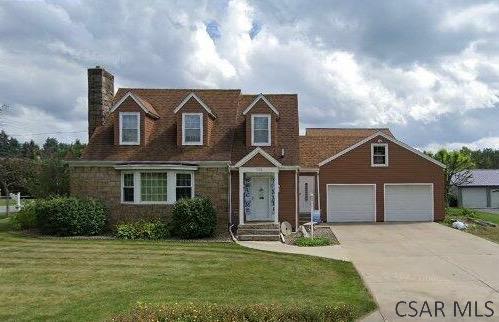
(261, 204)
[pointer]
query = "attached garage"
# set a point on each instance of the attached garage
(351, 202)
(409, 202)
(474, 197)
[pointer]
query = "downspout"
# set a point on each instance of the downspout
(296, 201)
(230, 195)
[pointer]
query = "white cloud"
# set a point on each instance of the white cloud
(486, 142)
(482, 17)
(323, 55)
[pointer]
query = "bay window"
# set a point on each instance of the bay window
(156, 187)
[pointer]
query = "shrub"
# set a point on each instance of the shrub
(468, 213)
(311, 242)
(193, 218)
(452, 200)
(246, 313)
(26, 218)
(142, 230)
(69, 216)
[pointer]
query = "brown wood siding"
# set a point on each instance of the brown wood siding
(192, 106)
(287, 197)
(404, 167)
(258, 161)
(129, 105)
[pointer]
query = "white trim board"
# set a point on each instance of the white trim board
(261, 97)
(405, 146)
(137, 100)
(193, 95)
(256, 151)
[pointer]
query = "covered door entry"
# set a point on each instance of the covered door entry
(258, 198)
(306, 188)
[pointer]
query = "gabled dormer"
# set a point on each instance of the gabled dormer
(195, 121)
(134, 119)
(261, 122)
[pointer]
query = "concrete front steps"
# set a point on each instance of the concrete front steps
(258, 232)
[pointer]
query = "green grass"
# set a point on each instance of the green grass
(312, 242)
(490, 233)
(72, 280)
(3, 202)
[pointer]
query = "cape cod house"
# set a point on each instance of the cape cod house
(150, 147)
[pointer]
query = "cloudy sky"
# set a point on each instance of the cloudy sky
(429, 70)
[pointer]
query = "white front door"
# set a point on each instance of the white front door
(261, 205)
(306, 187)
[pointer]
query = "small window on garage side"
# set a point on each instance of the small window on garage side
(184, 186)
(379, 155)
(128, 188)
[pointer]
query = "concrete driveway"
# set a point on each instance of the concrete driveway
(423, 262)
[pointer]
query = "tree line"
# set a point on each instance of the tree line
(34, 170)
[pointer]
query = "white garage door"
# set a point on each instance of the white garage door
(409, 202)
(474, 197)
(351, 203)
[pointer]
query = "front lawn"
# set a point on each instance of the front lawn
(62, 279)
(491, 233)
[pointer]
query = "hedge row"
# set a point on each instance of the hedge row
(62, 216)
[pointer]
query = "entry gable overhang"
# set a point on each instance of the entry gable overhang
(389, 138)
(253, 153)
(145, 106)
(258, 98)
(200, 101)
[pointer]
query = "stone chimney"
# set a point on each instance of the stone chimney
(100, 97)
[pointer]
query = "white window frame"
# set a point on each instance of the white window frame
(200, 142)
(171, 188)
(385, 145)
(269, 128)
(138, 128)
(192, 183)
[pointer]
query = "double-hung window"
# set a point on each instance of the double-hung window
(155, 187)
(192, 129)
(379, 155)
(183, 186)
(260, 129)
(128, 190)
(129, 128)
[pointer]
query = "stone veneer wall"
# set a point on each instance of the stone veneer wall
(104, 183)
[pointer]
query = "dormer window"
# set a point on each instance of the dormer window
(379, 155)
(129, 128)
(192, 128)
(260, 129)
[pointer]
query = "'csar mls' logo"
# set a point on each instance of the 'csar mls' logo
(413, 309)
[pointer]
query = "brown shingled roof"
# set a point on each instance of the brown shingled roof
(321, 143)
(346, 132)
(227, 139)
